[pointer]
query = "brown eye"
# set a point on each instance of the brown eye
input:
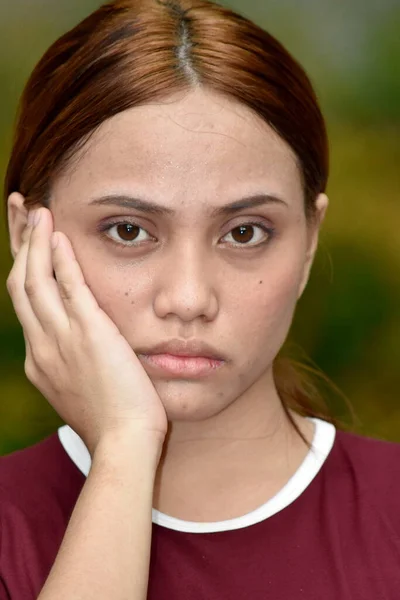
(243, 234)
(125, 233)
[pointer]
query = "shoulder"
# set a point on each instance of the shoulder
(370, 455)
(34, 477)
(39, 486)
(372, 468)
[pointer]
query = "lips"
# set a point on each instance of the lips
(181, 366)
(182, 348)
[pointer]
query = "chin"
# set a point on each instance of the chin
(186, 400)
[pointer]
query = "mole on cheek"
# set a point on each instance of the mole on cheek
(126, 293)
(260, 281)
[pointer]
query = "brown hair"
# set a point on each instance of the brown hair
(132, 52)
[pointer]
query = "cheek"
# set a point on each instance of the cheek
(117, 294)
(257, 306)
(266, 310)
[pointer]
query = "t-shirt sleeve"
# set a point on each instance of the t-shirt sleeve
(39, 486)
(4, 595)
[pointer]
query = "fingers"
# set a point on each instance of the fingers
(79, 302)
(40, 286)
(15, 286)
(44, 303)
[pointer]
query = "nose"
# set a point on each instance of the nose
(185, 286)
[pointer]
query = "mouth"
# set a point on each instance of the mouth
(181, 366)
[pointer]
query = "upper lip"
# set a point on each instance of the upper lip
(181, 348)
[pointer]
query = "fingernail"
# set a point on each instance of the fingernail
(54, 240)
(31, 217)
(36, 217)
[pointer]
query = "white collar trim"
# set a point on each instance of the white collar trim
(322, 444)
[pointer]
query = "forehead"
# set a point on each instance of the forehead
(199, 142)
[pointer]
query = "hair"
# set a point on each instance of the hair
(132, 52)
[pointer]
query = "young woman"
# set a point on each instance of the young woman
(165, 193)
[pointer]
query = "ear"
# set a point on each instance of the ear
(17, 220)
(314, 228)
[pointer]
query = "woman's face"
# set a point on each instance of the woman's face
(192, 274)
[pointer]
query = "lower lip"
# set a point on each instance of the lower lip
(183, 366)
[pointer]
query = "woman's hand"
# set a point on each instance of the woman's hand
(75, 354)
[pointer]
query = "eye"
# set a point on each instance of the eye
(125, 233)
(245, 233)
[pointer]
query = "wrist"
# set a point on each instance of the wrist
(129, 443)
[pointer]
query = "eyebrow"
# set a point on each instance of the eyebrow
(156, 209)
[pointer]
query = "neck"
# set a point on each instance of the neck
(232, 463)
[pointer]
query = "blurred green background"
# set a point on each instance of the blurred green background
(348, 321)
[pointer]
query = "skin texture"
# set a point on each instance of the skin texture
(190, 277)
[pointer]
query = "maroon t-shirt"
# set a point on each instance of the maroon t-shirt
(339, 539)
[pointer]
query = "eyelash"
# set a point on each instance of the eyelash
(269, 230)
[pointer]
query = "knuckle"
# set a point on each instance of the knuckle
(30, 370)
(66, 290)
(42, 355)
(30, 287)
(11, 284)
